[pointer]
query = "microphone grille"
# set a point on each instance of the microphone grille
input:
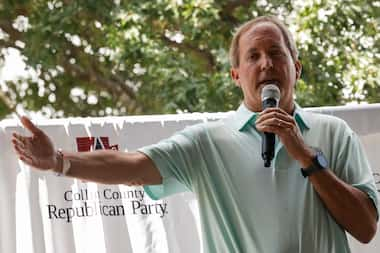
(270, 91)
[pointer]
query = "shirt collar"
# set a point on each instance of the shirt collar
(244, 117)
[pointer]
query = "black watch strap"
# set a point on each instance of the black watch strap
(307, 172)
(319, 162)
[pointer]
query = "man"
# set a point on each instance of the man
(244, 206)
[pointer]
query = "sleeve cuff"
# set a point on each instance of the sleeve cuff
(169, 186)
(372, 196)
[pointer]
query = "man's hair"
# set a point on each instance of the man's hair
(288, 38)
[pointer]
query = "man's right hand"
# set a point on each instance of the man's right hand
(36, 150)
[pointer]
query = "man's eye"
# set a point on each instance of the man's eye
(276, 53)
(254, 56)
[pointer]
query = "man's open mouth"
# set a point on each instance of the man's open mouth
(270, 81)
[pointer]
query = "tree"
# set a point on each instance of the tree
(94, 58)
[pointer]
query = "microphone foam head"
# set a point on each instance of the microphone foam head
(270, 91)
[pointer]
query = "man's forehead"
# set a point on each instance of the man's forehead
(262, 30)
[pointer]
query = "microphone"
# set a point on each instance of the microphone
(270, 97)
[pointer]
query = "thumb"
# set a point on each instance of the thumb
(30, 126)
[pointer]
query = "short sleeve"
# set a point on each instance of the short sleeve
(353, 167)
(177, 158)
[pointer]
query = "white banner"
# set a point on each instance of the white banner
(41, 212)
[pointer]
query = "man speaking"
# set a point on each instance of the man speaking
(317, 185)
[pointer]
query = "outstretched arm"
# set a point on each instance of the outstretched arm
(103, 166)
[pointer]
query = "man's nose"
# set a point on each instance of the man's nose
(266, 62)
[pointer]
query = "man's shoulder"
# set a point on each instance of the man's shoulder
(325, 122)
(319, 117)
(207, 126)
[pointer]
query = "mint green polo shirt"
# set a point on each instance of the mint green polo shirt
(246, 207)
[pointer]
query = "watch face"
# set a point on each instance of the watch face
(322, 160)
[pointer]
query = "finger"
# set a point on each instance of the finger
(276, 122)
(22, 154)
(272, 109)
(276, 111)
(21, 143)
(271, 116)
(275, 114)
(30, 126)
(27, 160)
(278, 130)
(270, 129)
(21, 138)
(18, 143)
(22, 151)
(18, 137)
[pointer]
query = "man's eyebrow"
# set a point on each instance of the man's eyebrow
(252, 50)
(275, 46)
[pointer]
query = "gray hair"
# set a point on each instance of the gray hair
(234, 47)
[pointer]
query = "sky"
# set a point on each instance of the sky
(14, 67)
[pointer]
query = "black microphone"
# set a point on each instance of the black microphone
(270, 97)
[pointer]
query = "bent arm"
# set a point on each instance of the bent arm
(350, 207)
(112, 167)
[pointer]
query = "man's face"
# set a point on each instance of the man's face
(264, 58)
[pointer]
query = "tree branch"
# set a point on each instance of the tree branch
(7, 102)
(115, 88)
(203, 54)
(227, 10)
(95, 75)
(115, 85)
(6, 44)
(13, 34)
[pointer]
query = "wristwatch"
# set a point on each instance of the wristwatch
(65, 164)
(318, 163)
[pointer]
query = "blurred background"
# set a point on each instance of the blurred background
(99, 58)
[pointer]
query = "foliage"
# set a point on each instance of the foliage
(95, 58)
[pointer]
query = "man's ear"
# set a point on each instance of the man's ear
(235, 76)
(298, 66)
